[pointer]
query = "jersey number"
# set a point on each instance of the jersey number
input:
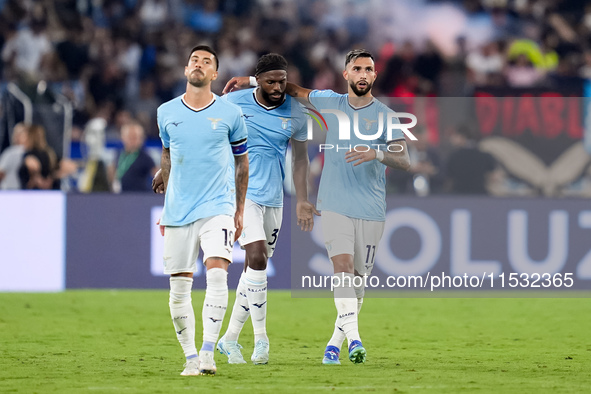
(274, 235)
(228, 237)
(371, 250)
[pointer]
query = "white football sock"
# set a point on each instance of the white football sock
(346, 303)
(256, 292)
(181, 311)
(240, 312)
(215, 303)
(338, 335)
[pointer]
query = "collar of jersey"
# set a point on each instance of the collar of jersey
(263, 105)
(197, 109)
(373, 99)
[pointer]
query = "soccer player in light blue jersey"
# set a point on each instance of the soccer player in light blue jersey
(199, 133)
(272, 121)
(352, 191)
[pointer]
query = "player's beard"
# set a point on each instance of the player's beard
(267, 97)
(358, 92)
(199, 81)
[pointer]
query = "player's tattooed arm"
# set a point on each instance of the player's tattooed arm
(395, 156)
(165, 166)
(297, 91)
(241, 182)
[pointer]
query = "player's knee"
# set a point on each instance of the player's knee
(343, 263)
(256, 255)
(257, 262)
(180, 290)
(217, 262)
(216, 276)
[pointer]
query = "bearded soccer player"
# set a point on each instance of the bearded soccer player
(272, 122)
(199, 133)
(352, 192)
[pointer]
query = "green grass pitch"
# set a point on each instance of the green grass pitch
(123, 342)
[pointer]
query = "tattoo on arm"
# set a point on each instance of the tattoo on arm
(241, 180)
(165, 165)
(399, 160)
(297, 91)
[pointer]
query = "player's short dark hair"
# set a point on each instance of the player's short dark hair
(270, 62)
(357, 53)
(206, 48)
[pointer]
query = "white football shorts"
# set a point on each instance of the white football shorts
(215, 235)
(357, 237)
(261, 223)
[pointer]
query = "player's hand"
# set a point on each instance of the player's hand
(360, 157)
(158, 182)
(305, 212)
(161, 227)
(238, 223)
(236, 83)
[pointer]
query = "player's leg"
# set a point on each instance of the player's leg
(256, 279)
(339, 235)
(181, 247)
(228, 343)
(217, 240)
(367, 238)
(253, 231)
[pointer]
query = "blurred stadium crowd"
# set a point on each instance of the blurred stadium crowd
(116, 61)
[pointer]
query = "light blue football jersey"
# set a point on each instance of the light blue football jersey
(269, 131)
(200, 155)
(357, 192)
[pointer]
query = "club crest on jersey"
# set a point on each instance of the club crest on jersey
(368, 123)
(214, 122)
(284, 123)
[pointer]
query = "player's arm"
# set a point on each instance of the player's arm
(241, 182)
(165, 167)
(298, 92)
(237, 83)
(305, 210)
(395, 156)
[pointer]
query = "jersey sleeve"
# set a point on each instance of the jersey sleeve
(315, 97)
(397, 134)
(229, 97)
(162, 129)
(299, 122)
(238, 134)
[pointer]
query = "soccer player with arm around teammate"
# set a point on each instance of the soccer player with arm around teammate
(352, 190)
(272, 121)
(199, 133)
